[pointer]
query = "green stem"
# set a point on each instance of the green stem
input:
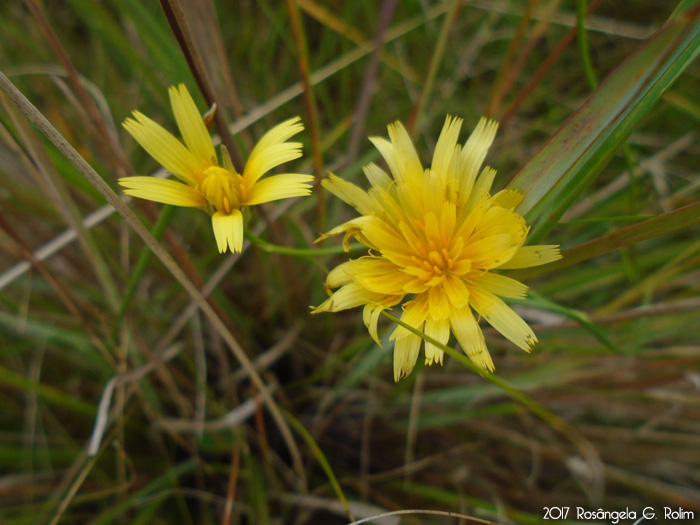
(553, 420)
(321, 458)
(144, 259)
(546, 415)
(583, 44)
(298, 252)
(435, 61)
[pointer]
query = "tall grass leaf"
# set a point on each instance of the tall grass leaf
(665, 223)
(576, 153)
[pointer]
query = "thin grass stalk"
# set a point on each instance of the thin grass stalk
(54, 246)
(592, 79)
(74, 157)
(412, 430)
(111, 514)
(327, 71)
(500, 86)
(311, 107)
(64, 203)
(109, 146)
(343, 27)
(663, 224)
(206, 29)
(321, 458)
(570, 160)
(537, 33)
(684, 261)
(423, 512)
(369, 81)
(45, 392)
(64, 294)
(232, 479)
(586, 62)
(435, 60)
(178, 19)
(142, 263)
(587, 450)
(73, 489)
(545, 67)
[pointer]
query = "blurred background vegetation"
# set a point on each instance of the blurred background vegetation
(121, 402)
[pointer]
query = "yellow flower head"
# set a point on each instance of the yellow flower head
(204, 182)
(434, 236)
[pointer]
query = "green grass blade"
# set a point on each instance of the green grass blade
(320, 457)
(576, 153)
(661, 225)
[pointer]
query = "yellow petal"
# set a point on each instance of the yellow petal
(448, 217)
(438, 303)
(377, 176)
(432, 230)
(165, 148)
(338, 276)
(440, 331)
(162, 190)
(279, 187)
(470, 337)
(362, 268)
(349, 296)
(390, 283)
(370, 316)
(490, 252)
(456, 291)
(350, 194)
(499, 220)
(381, 234)
(528, 256)
(481, 188)
(502, 318)
(473, 154)
(508, 199)
(409, 166)
(431, 192)
(352, 228)
(445, 148)
(406, 352)
(273, 150)
(386, 149)
(228, 230)
(191, 124)
(414, 314)
(501, 285)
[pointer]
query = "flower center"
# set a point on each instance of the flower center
(434, 260)
(223, 189)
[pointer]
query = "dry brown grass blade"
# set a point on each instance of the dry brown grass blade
(546, 66)
(44, 173)
(507, 71)
(63, 293)
(108, 145)
(233, 477)
(370, 79)
(326, 17)
(132, 220)
(454, 6)
(199, 36)
(312, 116)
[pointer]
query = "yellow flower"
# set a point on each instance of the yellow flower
(434, 237)
(207, 184)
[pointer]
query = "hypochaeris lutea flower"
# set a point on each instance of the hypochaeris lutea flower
(434, 237)
(205, 182)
